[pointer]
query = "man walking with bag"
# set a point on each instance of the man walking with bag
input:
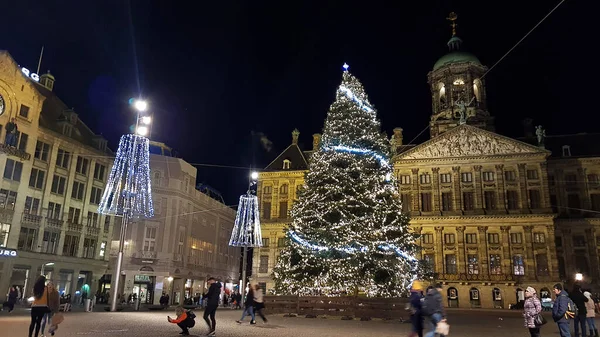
(433, 309)
(559, 310)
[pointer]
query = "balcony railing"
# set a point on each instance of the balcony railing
(92, 230)
(475, 277)
(54, 223)
(74, 227)
(147, 255)
(31, 219)
(13, 151)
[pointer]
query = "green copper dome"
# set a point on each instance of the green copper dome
(456, 57)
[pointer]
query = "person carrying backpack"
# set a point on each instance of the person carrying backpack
(432, 309)
(580, 300)
(185, 320)
(560, 313)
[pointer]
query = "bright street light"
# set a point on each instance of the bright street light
(170, 278)
(579, 277)
(140, 105)
(146, 120)
(254, 175)
(46, 264)
(142, 130)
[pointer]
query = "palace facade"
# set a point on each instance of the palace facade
(495, 214)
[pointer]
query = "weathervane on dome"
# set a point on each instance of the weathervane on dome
(452, 18)
(345, 66)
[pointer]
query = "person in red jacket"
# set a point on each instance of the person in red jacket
(184, 320)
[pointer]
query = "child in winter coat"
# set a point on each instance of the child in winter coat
(185, 320)
(591, 315)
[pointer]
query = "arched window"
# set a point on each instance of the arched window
(474, 296)
(477, 86)
(286, 164)
(267, 190)
(442, 96)
(283, 189)
(452, 297)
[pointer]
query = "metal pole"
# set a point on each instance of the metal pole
(244, 266)
(117, 276)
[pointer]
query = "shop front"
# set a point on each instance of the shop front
(143, 288)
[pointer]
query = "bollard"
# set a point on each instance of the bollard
(137, 305)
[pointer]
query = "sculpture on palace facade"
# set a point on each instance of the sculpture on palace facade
(462, 111)
(541, 135)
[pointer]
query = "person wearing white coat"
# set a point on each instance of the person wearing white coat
(591, 315)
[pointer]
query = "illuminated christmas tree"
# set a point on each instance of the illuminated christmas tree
(348, 234)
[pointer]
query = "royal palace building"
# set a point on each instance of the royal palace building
(54, 170)
(495, 214)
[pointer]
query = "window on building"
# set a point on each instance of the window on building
(7, 199)
(281, 242)
(468, 201)
(283, 210)
(539, 237)
(283, 189)
(488, 176)
(541, 261)
(74, 215)
(78, 190)
(82, 165)
(97, 195)
(581, 263)
(562, 272)
(150, 239)
(427, 238)
(495, 264)
(566, 151)
(595, 201)
(106, 223)
(426, 202)
(102, 251)
(578, 241)
(449, 239)
(551, 180)
(286, 164)
(181, 243)
(493, 238)
(50, 242)
(445, 178)
(593, 179)
(58, 185)
(42, 151)
(12, 170)
(571, 179)
(89, 248)
(4, 231)
(266, 211)
(27, 239)
(490, 199)
(36, 178)
(24, 111)
(99, 170)
(265, 242)
(451, 264)
(535, 199)
(466, 177)
(429, 260)
(406, 199)
(54, 211)
(405, 180)
(512, 197)
(518, 265)
(446, 201)
(92, 219)
(558, 242)
(574, 205)
(473, 264)
(554, 203)
(510, 175)
(471, 238)
(516, 238)
(425, 178)
(267, 190)
(63, 158)
(23, 138)
(532, 174)
(71, 245)
(32, 205)
(263, 266)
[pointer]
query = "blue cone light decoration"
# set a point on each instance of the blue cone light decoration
(246, 231)
(128, 190)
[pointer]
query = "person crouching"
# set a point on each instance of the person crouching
(184, 320)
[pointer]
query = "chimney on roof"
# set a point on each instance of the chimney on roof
(47, 80)
(397, 139)
(316, 141)
(295, 135)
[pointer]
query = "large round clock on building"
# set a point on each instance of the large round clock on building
(1, 105)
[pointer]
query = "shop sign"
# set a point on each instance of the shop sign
(31, 75)
(5, 252)
(142, 278)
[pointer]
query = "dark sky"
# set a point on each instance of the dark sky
(215, 71)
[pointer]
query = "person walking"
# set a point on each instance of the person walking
(433, 309)
(559, 310)
(259, 302)
(13, 294)
(39, 307)
(416, 316)
(531, 308)
(249, 306)
(53, 306)
(580, 301)
(212, 302)
(591, 314)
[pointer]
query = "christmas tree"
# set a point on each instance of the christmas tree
(348, 234)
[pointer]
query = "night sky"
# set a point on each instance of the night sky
(214, 72)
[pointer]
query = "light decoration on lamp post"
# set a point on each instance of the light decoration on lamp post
(246, 230)
(128, 192)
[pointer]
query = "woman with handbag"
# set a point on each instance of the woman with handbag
(39, 307)
(532, 312)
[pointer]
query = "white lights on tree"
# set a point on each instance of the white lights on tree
(128, 190)
(246, 230)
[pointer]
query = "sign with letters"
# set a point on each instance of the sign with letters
(5, 252)
(31, 75)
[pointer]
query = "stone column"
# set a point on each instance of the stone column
(523, 198)
(550, 243)
(483, 251)
(439, 249)
(457, 194)
(545, 190)
(529, 258)
(416, 198)
(500, 188)
(478, 188)
(437, 205)
(506, 250)
(461, 252)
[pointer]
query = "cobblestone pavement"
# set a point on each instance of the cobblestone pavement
(463, 323)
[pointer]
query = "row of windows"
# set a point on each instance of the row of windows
(265, 212)
(467, 177)
(50, 243)
(571, 179)
(495, 264)
(13, 170)
(492, 238)
(266, 242)
(283, 189)
(489, 199)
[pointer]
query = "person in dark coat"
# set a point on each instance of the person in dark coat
(13, 294)
(580, 320)
(416, 317)
(212, 302)
(249, 307)
(559, 309)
